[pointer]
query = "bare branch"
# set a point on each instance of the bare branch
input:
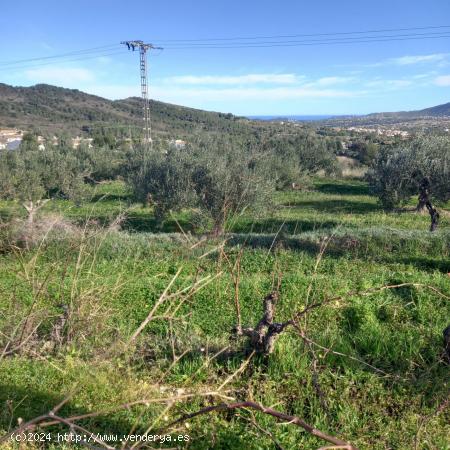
(271, 412)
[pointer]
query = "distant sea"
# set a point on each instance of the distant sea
(295, 118)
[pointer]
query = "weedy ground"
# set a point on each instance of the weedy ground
(369, 368)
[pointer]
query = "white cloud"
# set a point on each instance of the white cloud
(422, 76)
(189, 89)
(188, 94)
(253, 78)
(389, 83)
(286, 79)
(440, 59)
(331, 81)
(59, 75)
(206, 96)
(419, 59)
(181, 95)
(443, 80)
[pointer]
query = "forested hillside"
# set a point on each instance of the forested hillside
(50, 109)
(47, 109)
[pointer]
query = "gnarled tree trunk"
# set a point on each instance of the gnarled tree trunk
(32, 208)
(262, 338)
(424, 201)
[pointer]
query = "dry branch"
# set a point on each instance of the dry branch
(51, 418)
(188, 291)
(271, 412)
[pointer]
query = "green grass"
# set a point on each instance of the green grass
(329, 204)
(112, 279)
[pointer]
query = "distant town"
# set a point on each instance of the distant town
(11, 138)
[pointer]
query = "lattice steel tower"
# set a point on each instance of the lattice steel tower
(132, 45)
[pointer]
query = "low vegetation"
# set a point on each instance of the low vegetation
(240, 289)
(137, 325)
(421, 168)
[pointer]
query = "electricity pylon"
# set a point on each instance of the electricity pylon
(132, 45)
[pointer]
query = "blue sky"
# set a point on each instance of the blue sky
(352, 78)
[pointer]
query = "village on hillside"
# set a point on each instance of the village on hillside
(11, 138)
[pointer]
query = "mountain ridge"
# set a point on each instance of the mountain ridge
(55, 109)
(442, 110)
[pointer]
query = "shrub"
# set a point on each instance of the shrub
(397, 173)
(218, 177)
(229, 179)
(162, 178)
(294, 156)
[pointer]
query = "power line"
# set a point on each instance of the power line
(335, 38)
(311, 42)
(385, 30)
(61, 55)
(263, 44)
(302, 44)
(217, 41)
(82, 58)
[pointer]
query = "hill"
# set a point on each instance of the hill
(50, 109)
(437, 111)
(433, 118)
(434, 111)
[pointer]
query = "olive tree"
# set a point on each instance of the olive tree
(215, 177)
(34, 176)
(230, 178)
(296, 156)
(161, 178)
(420, 167)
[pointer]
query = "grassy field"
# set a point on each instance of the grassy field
(367, 367)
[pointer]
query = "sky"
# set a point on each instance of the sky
(303, 76)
